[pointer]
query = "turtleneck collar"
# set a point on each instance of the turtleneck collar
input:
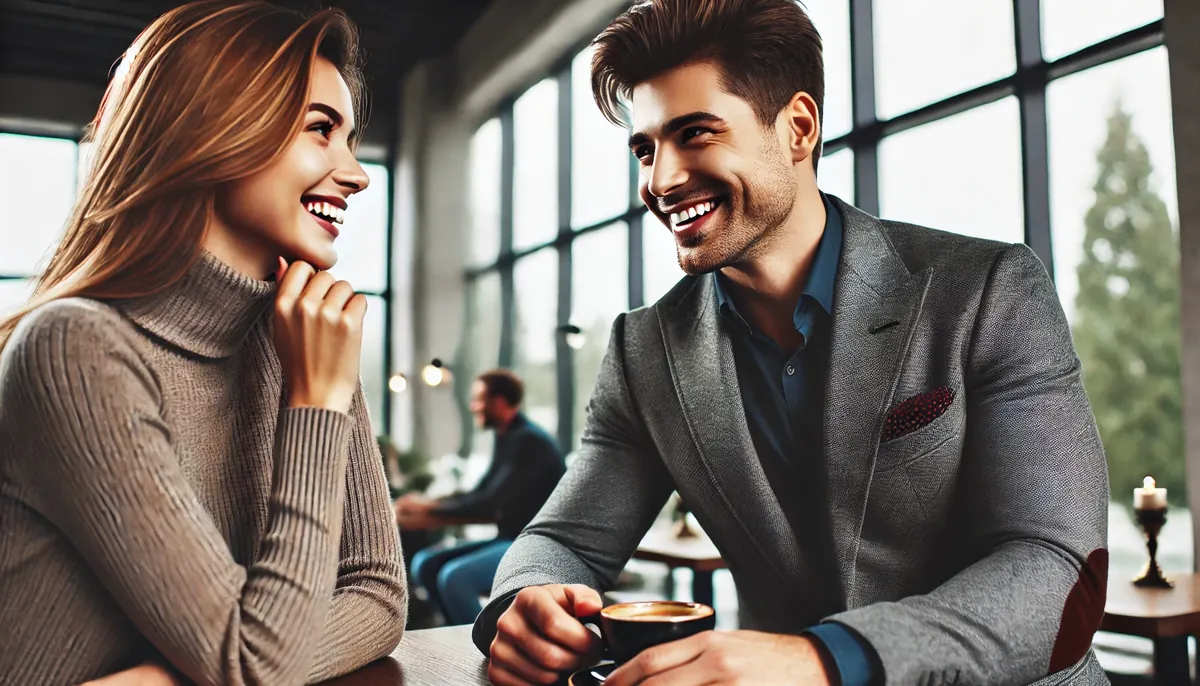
(208, 312)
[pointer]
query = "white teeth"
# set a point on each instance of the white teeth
(692, 212)
(702, 208)
(674, 218)
(340, 215)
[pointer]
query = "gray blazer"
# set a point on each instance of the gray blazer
(970, 551)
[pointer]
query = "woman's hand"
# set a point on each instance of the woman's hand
(318, 336)
(142, 675)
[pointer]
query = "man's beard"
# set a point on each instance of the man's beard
(766, 201)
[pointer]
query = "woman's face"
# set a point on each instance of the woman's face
(294, 208)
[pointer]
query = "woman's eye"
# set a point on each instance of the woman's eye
(324, 128)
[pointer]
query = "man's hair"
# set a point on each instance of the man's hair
(504, 384)
(766, 50)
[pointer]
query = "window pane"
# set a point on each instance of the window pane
(535, 285)
(832, 19)
(1071, 25)
(836, 174)
(660, 271)
(535, 182)
(483, 335)
(599, 154)
(960, 174)
(362, 244)
(599, 292)
(485, 194)
(926, 50)
(28, 242)
(372, 366)
(1115, 227)
(13, 294)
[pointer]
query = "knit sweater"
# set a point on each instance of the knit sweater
(159, 500)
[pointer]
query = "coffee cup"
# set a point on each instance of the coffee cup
(627, 629)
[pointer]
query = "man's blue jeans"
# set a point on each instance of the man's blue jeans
(456, 577)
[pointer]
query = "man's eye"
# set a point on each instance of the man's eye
(643, 151)
(693, 131)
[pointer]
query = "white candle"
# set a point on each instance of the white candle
(1148, 497)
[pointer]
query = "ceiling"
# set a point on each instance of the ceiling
(78, 40)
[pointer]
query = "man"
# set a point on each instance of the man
(881, 426)
(526, 466)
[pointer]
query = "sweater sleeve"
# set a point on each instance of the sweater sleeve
(370, 603)
(103, 470)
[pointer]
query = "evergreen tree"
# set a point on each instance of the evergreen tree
(1126, 328)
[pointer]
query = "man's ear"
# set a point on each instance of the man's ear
(802, 126)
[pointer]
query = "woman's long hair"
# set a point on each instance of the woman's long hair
(209, 93)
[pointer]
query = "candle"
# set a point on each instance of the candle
(1148, 497)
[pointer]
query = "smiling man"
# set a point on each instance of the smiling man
(881, 426)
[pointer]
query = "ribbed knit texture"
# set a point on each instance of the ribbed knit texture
(158, 500)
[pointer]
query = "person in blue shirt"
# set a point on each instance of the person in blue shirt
(526, 466)
(881, 426)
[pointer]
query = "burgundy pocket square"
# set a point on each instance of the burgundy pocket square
(914, 413)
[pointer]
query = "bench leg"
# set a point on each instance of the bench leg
(1171, 661)
(702, 589)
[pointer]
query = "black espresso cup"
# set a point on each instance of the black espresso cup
(629, 628)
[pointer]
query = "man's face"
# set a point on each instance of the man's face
(715, 177)
(483, 406)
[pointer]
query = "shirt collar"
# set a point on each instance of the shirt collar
(821, 277)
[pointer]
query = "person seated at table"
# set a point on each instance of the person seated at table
(526, 467)
(191, 488)
(881, 426)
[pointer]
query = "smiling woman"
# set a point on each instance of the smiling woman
(193, 489)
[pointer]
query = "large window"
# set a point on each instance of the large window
(45, 174)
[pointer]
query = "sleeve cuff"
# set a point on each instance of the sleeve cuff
(485, 624)
(850, 658)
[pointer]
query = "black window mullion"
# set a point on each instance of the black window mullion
(565, 358)
(507, 308)
(862, 77)
(1035, 163)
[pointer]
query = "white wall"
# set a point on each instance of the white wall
(512, 45)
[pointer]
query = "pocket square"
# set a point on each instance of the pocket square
(917, 411)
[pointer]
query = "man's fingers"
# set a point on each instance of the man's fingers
(661, 659)
(582, 600)
(513, 660)
(548, 617)
(544, 652)
(499, 676)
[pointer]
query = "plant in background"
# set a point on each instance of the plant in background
(407, 470)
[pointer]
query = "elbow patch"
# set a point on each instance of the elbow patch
(1082, 612)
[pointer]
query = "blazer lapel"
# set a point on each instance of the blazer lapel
(700, 357)
(873, 290)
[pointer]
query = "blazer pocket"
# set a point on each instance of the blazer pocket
(910, 447)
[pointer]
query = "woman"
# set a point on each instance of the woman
(187, 471)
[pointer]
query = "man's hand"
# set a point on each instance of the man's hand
(726, 658)
(538, 636)
(415, 503)
(143, 675)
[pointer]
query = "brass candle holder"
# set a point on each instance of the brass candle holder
(1151, 522)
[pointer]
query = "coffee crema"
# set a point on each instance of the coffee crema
(657, 611)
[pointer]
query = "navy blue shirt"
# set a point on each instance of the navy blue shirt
(783, 393)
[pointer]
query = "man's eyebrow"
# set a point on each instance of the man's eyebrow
(676, 124)
(333, 114)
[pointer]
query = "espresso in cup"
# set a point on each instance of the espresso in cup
(629, 628)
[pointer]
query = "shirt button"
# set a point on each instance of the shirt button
(790, 370)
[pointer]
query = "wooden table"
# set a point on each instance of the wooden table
(1166, 616)
(696, 553)
(432, 657)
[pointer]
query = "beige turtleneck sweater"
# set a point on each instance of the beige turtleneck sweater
(158, 499)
